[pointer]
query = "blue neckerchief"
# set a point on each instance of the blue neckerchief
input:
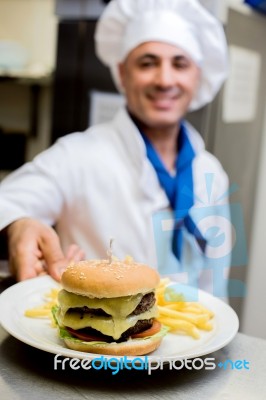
(176, 188)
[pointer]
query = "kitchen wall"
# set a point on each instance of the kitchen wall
(33, 25)
(253, 318)
(254, 315)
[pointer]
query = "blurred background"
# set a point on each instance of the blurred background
(51, 84)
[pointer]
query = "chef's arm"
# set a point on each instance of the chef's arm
(31, 201)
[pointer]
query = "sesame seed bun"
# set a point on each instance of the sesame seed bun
(105, 279)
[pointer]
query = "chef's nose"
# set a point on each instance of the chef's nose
(165, 75)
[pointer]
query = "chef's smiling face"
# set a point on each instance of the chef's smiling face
(160, 81)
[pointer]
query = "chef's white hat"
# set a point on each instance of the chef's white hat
(125, 24)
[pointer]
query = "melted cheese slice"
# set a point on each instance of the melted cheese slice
(111, 326)
(119, 310)
(117, 307)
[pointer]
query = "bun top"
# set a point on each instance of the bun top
(105, 279)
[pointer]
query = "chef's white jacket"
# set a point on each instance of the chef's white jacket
(99, 184)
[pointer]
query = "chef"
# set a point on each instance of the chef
(144, 178)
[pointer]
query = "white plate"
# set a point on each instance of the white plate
(39, 333)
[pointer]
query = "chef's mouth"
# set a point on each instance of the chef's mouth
(162, 102)
(163, 96)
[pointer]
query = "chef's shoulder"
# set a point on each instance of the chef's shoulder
(74, 148)
(96, 138)
(207, 163)
(206, 166)
(210, 178)
(204, 163)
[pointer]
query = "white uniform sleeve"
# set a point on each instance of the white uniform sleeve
(36, 189)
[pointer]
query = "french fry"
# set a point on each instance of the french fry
(37, 312)
(176, 306)
(181, 326)
(164, 282)
(202, 308)
(52, 295)
(207, 326)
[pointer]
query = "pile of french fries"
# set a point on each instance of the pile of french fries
(179, 315)
(44, 310)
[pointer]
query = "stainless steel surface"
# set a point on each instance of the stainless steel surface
(28, 373)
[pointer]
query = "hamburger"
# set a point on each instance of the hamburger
(109, 307)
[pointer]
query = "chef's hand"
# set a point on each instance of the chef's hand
(34, 250)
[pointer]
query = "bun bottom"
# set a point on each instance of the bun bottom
(136, 347)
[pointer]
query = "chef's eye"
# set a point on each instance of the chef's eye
(181, 63)
(147, 62)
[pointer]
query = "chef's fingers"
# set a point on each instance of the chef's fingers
(42, 273)
(25, 264)
(52, 253)
(75, 253)
(22, 249)
(33, 245)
